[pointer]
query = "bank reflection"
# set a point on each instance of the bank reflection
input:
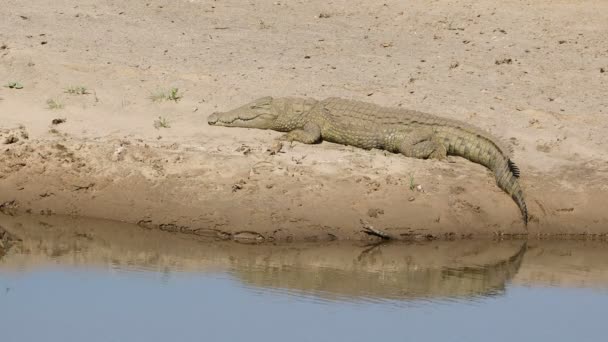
(332, 271)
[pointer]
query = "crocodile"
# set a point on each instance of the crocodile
(366, 125)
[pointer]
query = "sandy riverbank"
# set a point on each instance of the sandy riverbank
(535, 74)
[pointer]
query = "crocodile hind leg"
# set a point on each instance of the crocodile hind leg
(310, 134)
(422, 145)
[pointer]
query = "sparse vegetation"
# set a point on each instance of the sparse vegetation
(161, 122)
(54, 104)
(77, 90)
(412, 182)
(171, 95)
(158, 97)
(14, 85)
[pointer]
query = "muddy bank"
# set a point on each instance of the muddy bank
(438, 269)
(290, 196)
(114, 99)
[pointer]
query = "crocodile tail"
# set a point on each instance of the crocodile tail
(519, 199)
(507, 175)
(489, 152)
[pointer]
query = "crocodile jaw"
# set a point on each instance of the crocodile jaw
(257, 114)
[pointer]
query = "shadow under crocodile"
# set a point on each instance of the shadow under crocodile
(331, 271)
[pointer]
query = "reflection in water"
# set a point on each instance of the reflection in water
(86, 280)
(392, 271)
(7, 240)
(332, 271)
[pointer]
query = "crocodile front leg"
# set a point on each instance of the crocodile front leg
(310, 134)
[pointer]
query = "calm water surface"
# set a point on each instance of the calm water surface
(98, 281)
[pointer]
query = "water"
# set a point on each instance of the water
(89, 280)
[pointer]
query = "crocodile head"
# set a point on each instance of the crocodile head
(257, 114)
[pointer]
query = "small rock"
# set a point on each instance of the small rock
(239, 185)
(119, 154)
(275, 148)
(244, 149)
(411, 199)
(58, 121)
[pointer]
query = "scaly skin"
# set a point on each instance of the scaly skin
(365, 125)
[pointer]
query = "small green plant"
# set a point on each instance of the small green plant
(54, 104)
(161, 122)
(412, 183)
(171, 95)
(14, 85)
(77, 90)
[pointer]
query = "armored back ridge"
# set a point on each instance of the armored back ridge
(365, 125)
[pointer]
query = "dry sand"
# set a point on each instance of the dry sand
(534, 73)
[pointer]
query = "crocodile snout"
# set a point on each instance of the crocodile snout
(213, 118)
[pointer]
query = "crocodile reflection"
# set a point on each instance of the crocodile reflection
(332, 271)
(397, 271)
(7, 240)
